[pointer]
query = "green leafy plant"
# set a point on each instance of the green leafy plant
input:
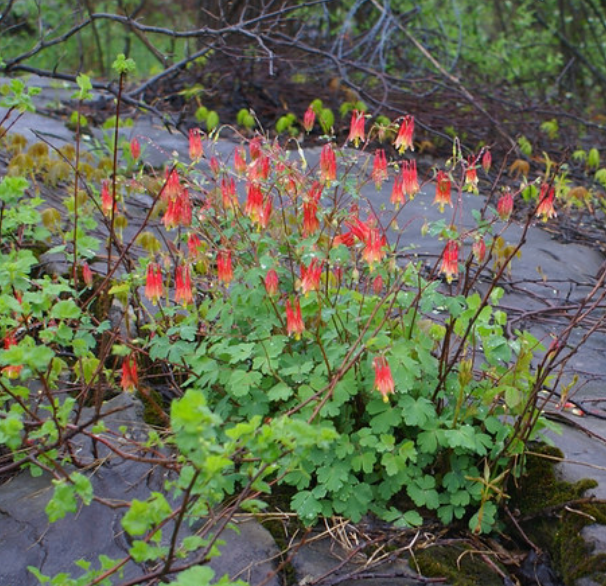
(209, 117)
(325, 116)
(245, 119)
(287, 123)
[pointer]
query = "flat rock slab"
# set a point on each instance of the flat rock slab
(28, 539)
(325, 559)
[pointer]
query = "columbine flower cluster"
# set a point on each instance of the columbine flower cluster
(178, 205)
(267, 175)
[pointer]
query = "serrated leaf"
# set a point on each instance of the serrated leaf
(65, 309)
(417, 412)
(241, 381)
(62, 502)
(196, 576)
(279, 392)
(364, 461)
(306, 506)
(413, 518)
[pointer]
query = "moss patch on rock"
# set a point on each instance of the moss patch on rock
(459, 564)
(553, 517)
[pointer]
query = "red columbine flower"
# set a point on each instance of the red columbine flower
(338, 273)
(347, 239)
(379, 168)
(310, 210)
(153, 283)
(377, 284)
(309, 119)
(224, 268)
(259, 169)
(372, 239)
(443, 187)
(130, 377)
(545, 207)
(228, 193)
(107, 200)
(471, 176)
(254, 147)
(271, 282)
(172, 187)
(373, 250)
(135, 149)
(315, 193)
(383, 379)
(183, 291)
(178, 211)
(328, 164)
(171, 215)
(310, 218)
(87, 274)
(254, 202)
(294, 320)
(505, 205)
(240, 160)
(410, 181)
(450, 261)
(356, 129)
(193, 245)
(404, 139)
(266, 213)
(479, 250)
(310, 276)
(185, 212)
(486, 161)
(214, 165)
(397, 191)
(9, 342)
(195, 144)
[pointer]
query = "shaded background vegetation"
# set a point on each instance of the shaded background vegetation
(511, 55)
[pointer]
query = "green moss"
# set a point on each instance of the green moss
(571, 554)
(558, 529)
(153, 413)
(276, 528)
(458, 565)
(540, 489)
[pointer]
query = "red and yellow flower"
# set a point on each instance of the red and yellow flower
(404, 138)
(310, 276)
(309, 119)
(545, 207)
(196, 150)
(356, 129)
(328, 164)
(505, 205)
(183, 288)
(224, 266)
(271, 282)
(450, 261)
(130, 376)
(443, 190)
(153, 283)
(383, 378)
(379, 168)
(294, 320)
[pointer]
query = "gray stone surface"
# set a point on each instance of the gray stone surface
(326, 558)
(26, 537)
(249, 553)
